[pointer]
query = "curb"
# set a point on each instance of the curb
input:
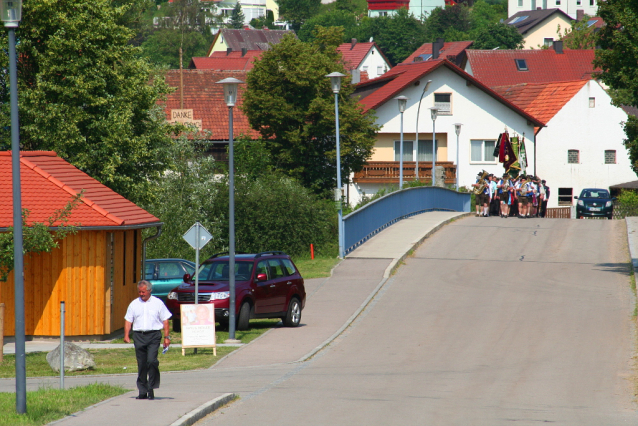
(205, 409)
(394, 265)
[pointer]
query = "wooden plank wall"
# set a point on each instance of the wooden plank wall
(77, 272)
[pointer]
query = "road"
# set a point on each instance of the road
(491, 322)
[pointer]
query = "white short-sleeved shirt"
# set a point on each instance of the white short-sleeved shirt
(148, 315)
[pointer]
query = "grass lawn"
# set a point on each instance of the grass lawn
(47, 405)
(317, 268)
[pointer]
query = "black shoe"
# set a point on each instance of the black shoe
(151, 395)
(142, 396)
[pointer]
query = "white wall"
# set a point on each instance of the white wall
(591, 131)
(568, 6)
(371, 63)
(482, 116)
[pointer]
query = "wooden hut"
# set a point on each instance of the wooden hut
(93, 271)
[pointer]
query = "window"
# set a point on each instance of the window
(577, 2)
(425, 150)
(290, 268)
(591, 22)
(482, 151)
(557, 2)
(572, 156)
(548, 41)
(276, 270)
(544, 4)
(521, 64)
(365, 68)
(380, 70)
(565, 196)
(592, 102)
(610, 156)
(591, 2)
(533, 5)
(443, 101)
(520, 3)
(169, 271)
(518, 19)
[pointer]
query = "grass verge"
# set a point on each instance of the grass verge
(47, 405)
(319, 267)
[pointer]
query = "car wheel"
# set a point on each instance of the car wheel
(244, 316)
(293, 316)
(177, 325)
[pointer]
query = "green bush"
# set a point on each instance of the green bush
(626, 204)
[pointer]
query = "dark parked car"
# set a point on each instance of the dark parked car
(594, 202)
(166, 274)
(267, 285)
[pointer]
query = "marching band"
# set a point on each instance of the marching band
(522, 196)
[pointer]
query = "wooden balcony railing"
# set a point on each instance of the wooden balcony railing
(388, 172)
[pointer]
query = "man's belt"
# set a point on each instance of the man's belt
(147, 331)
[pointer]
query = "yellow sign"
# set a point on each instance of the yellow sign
(184, 116)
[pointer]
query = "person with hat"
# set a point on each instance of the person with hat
(505, 188)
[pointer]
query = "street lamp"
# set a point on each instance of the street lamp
(11, 14)
(418, 112)
(230, 97)
(403, 101)
(335, 83)
(433, 112)
(457, 130)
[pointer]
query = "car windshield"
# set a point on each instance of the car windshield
(595, 194)
(218, 271)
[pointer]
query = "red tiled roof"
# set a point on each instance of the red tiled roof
(401, 76)
(206, 99)
(542, 100)
(451, 50)
(388, 4)
(353, 55)
(48, 183)
(222, 63)
(498, 67)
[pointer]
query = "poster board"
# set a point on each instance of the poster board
(198, 326)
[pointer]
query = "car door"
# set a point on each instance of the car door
(279, 278)
(264, 290)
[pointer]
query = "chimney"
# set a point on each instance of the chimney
(356, 76)
(580, 14)
(228, 50)
(558, 47)
(353, 42)
(436, 47)
(243, 51)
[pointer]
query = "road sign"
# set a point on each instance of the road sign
(195, 231)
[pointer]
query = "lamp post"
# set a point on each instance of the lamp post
(335, 82)
(11, 14)
(230, 97)
(402, 101)
(457, 130)
(433, 112)
(418, 111)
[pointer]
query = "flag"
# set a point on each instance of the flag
(522, 155)
(512, 166)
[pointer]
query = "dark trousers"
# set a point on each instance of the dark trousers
(146, 347)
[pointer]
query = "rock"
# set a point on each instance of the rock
(75, 358)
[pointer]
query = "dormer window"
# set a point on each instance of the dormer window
(521, 64)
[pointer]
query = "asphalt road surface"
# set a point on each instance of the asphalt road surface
(491, 322)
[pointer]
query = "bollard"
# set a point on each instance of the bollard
(62, 345)
(312, 252)
(1, 331)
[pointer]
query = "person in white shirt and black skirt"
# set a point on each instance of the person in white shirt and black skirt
(147, 315)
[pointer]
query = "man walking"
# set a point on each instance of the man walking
(147, 315)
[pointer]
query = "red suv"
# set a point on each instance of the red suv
(267, 285)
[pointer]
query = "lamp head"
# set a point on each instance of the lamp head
(457, 128)
(335, 81)
(11, 12)
(434, 112)
(403, 102)
(230, 90)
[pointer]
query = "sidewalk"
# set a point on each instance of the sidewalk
(332, 304)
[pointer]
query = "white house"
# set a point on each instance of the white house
(389, 7)
(570, 7)
(460, 98)
(582, 145)
(364, 57)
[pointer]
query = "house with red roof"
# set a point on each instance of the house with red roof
(365, 58)
(582, 145)
(453, 51)
(237, 40)
(417, 8)
(459, 98)
(539, 28)
(508, 67)
(95, 270)
(230, 60)
(199, 101)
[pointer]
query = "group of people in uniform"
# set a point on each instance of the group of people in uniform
(521, 196)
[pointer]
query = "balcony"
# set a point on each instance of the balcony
(388, 172)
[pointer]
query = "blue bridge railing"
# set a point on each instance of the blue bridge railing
(370, 219)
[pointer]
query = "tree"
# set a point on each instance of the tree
(296, 12)
(237, 18)
(266, 21)
(497, 35)
(336, 18)
(397, 35)
(289, 101)
(86, 94)
(581, 35)
(451, 22)
(617, 57)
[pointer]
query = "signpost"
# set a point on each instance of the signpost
(197, 236)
